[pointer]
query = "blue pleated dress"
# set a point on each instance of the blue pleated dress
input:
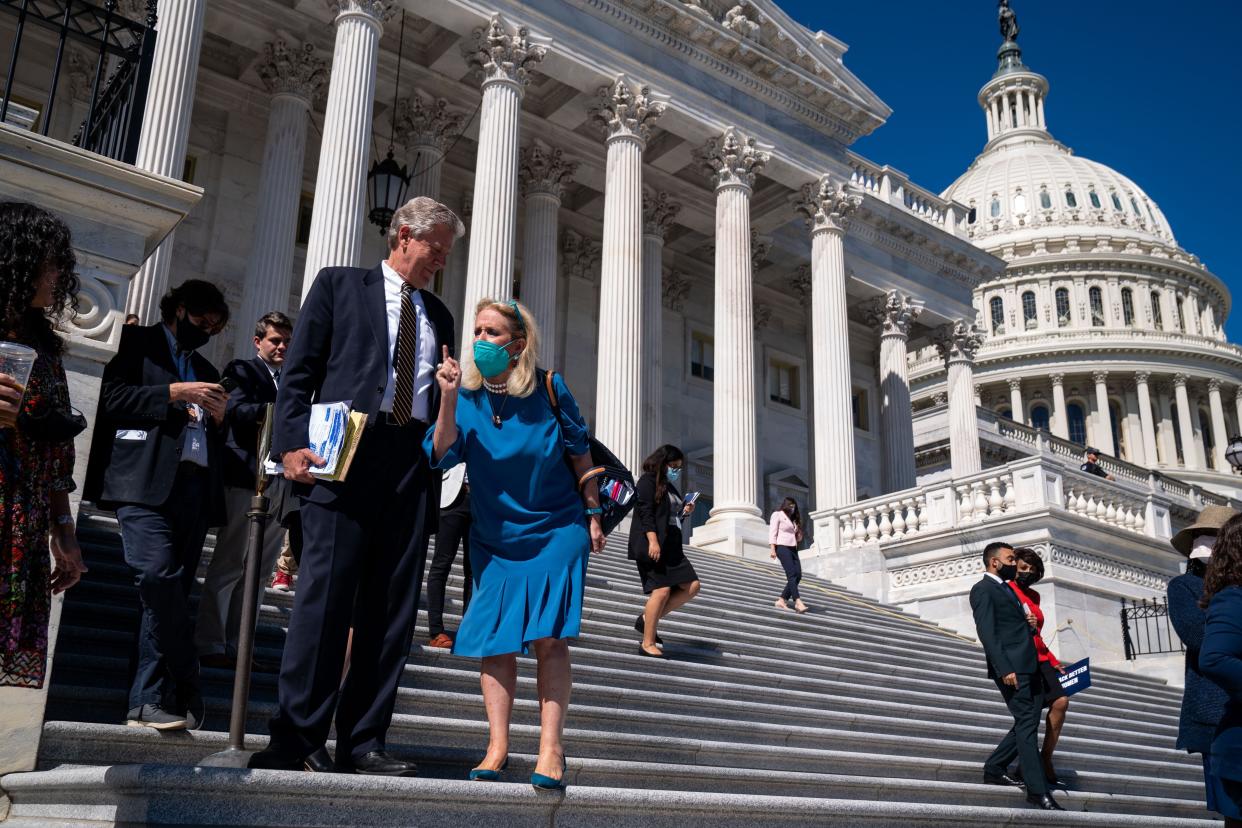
(528, 541)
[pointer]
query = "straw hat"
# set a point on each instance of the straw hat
(1209, 522)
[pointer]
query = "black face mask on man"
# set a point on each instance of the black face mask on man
(1007, 572)
(190, 337)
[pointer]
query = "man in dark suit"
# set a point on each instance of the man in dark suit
(374, 338)
(1007, 638)
(254, 387)
(155, 459)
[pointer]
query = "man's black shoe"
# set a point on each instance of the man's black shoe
(379, 763)
(319, 761)
(1044, 802)
(1002, 779)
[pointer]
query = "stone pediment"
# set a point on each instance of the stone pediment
(760, 39)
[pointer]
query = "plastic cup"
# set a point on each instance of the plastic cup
(17, 361)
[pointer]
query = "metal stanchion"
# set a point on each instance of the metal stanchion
(236, 755)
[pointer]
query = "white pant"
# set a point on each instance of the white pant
(219, 611)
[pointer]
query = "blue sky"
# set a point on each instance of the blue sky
(1147, 87)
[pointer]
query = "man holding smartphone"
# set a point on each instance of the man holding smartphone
(251, 384)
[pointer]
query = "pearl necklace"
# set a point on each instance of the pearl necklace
(496, 388)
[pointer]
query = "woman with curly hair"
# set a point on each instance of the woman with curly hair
(37, 288)
(1220, 659)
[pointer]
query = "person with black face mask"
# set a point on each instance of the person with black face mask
(156, 459)
(1007, 638)
(1030, 572)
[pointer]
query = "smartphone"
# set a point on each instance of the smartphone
(228, 384)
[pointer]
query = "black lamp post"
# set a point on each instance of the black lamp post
(1233, 452)
(387, 181)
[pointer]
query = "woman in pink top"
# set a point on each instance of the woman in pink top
(784, 535)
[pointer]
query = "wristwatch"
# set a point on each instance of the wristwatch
(594, 511)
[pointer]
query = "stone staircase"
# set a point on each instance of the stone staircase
(854, 714)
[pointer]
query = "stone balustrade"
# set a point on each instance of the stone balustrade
(896, 188)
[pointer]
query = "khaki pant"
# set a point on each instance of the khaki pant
(286, 563)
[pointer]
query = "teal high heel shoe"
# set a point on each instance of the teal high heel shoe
(547, 783)
(487, 774)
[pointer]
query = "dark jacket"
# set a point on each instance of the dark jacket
(244, 418)
(1000, 622)
(1203, 702)
(1220, 659)
(341, 354)
(136, 446)
(651, 515)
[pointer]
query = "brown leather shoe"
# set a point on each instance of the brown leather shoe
(441, 642)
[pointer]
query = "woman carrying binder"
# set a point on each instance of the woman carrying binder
(1030, 571)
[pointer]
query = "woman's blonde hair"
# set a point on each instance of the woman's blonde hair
(524, 377)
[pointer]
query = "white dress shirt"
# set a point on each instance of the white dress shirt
(425, 375)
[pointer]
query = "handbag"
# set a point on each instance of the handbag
(616, 483)
(53, 425)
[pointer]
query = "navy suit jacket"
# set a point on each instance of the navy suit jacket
(1220, 659)
(1203, 702)
(136, 446)
(1007, 638)
(244, 416)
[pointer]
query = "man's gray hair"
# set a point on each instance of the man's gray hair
(421, 215)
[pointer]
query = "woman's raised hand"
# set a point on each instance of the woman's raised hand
(448, 372)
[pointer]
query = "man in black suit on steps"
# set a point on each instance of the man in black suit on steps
(374, 338)
(1007, 639)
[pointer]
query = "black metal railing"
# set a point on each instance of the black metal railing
(1145, 628)
(122, 51)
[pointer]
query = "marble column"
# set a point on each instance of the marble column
(453, 278)
(426, 127)
(626, 114)
(1220, 432)
(1060, 416)
(659, 210)
(958, 343)
(543, 174)
(1237, 402)
(337, 221)
(735, 525)
(1166, 427)
(1015, 400)
(1103, 421)
(294, 76)
(166, 132)
(503, 58)
(894, 314)
(1145, 418)
(827, 205)
(1190, 451)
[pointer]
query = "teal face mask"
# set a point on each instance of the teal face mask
(491, 359)
(673, 475)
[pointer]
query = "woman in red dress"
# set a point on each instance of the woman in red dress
(1030, 571)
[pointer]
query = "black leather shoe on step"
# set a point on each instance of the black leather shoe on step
(318, 761)
(379, 763)
(1002, 779)
(1044, 803)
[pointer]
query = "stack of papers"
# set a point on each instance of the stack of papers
(334, 434)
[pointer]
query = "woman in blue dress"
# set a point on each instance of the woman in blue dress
(533, 528)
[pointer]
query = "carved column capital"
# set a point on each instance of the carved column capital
(292, 70)
(675, 288)
(1141, 377)
(1180, 380)
(940, 398)
(625, 111)
(800, 283)
(1099, 377)
(827, 204)
(580, 256)
(893, 313)
(498, 56)
(427, 122)
(1015, 383)
(958, 341)
(762, 315)
(1213, 385)
(732, 159)
(545, 169)
(659, 210)
(1057, 379)
(379, 10)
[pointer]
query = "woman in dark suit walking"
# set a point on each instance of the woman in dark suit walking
(655, 543)
(1220, 659)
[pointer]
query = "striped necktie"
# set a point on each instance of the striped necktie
(405, 361)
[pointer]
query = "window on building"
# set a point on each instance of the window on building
(1097, 306)
(1114, 420)
(994, 208)
(1040, 417)
(189, 169)
(1147, 204)
(1063, 307)
(1181, 316)
(1157, 316)
(1209, 445)
(1127, 306)
(1006, 412)
(1045, 199)
(997, 309)
(1019, 203)
(783, 385)
(1071, 200)
(862, 413)
(1030, 316)
(306, 208)
(702, 356)
(973, 215)
(1116, 201)
(1134, 206)
(1095, 198)
(1076, 417)
(1178, 448)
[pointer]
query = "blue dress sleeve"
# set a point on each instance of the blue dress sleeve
(574, 431)
(456, 453)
